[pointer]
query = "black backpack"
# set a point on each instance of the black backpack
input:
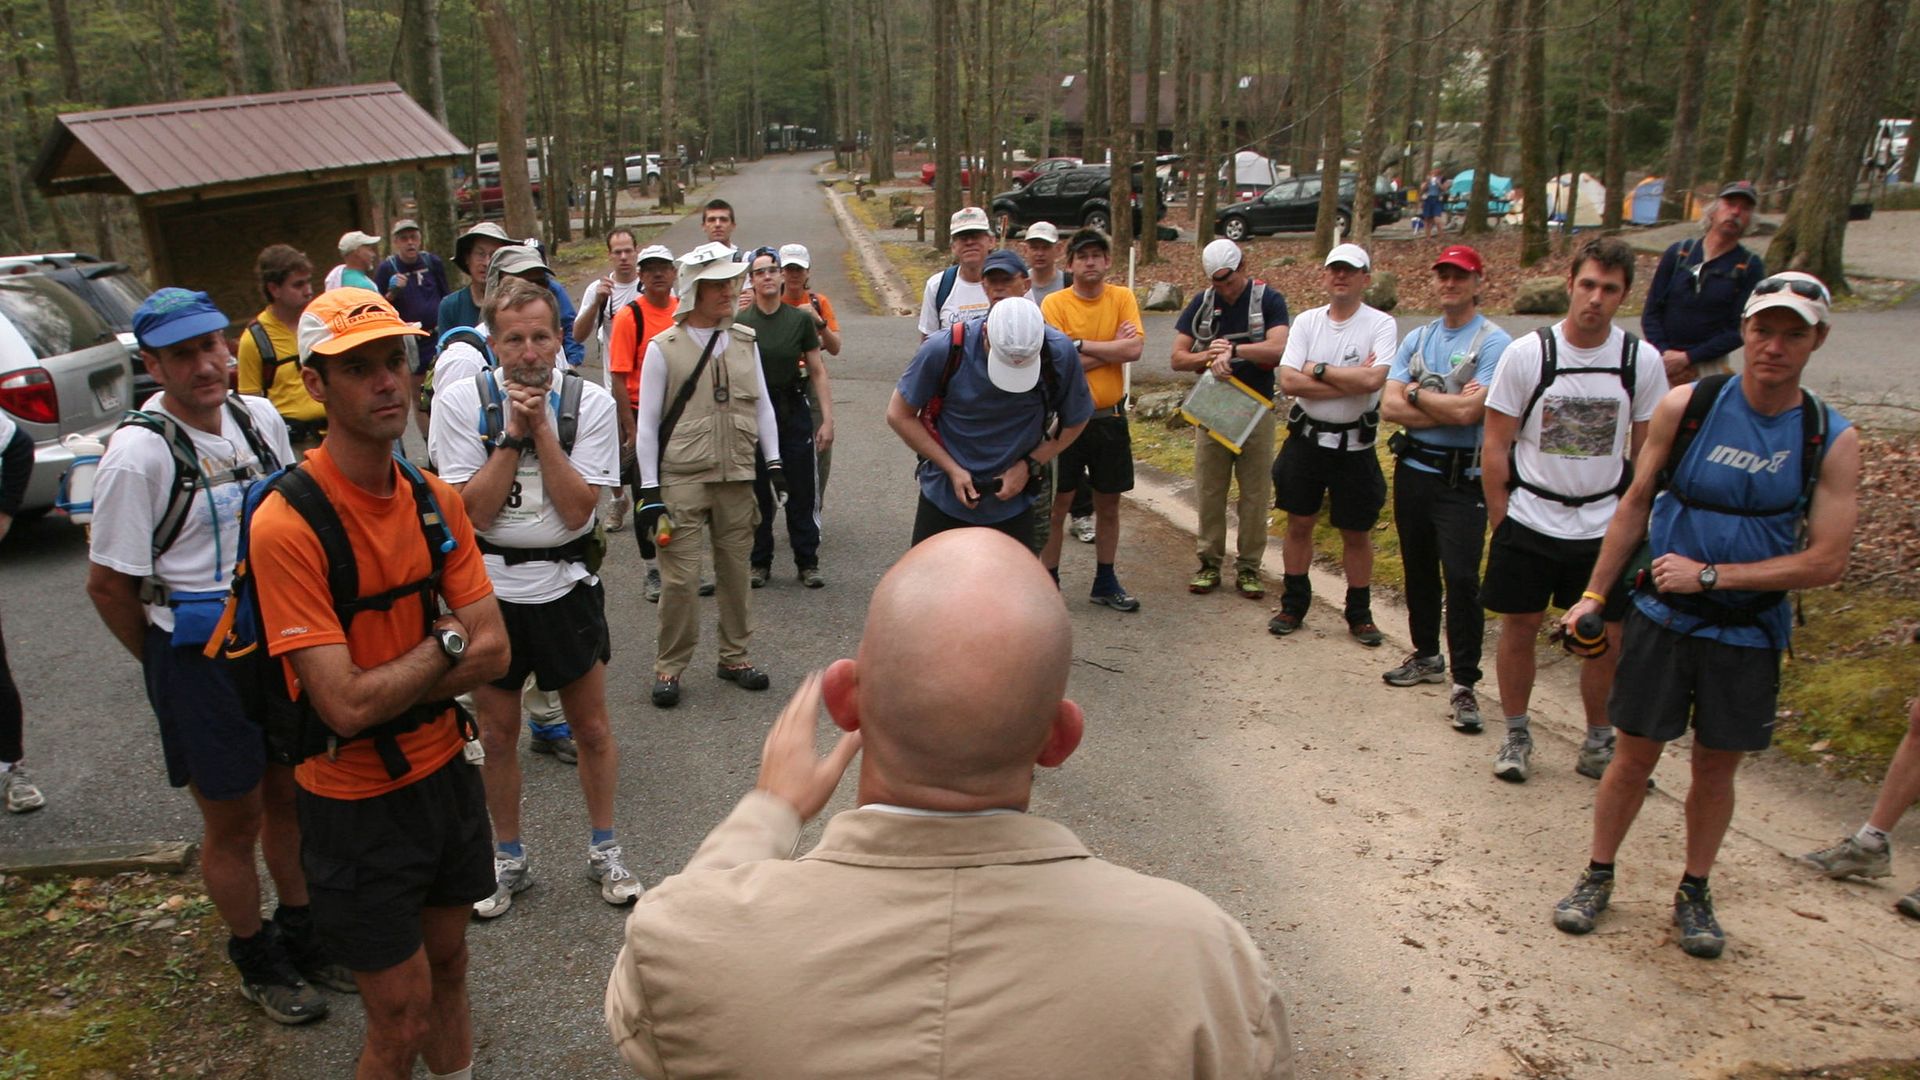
(269, 360)
(1549, 370)
(294, 729)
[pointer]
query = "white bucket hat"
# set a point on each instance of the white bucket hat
(711, 261)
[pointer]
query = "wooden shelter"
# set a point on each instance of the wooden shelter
(216, 180)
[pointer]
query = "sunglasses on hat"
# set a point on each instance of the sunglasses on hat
(1812, 290)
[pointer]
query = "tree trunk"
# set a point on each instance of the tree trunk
(317, 35)
(1094, 120)
(1502, 40)
(709, 117)
(985, 186)
(1436, 80)
(1373, 130)
(1203, 172)
(1333, 35)
(561, 171)
(1150, 176)
(1120, 110)
(233, 46)
(1182, 73)
(279, 72)
(946, 128)
(1733, 163)
(1814, 233)
(169, 53)
(63, 53)
(1683, 143)
(1613, 169)
(1302, 91)
(503, 45)
(433, 188)
(1533, 134)
(880, 25)
(669, 104)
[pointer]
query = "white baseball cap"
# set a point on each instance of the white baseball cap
(1803, 294)
(1015, 334)
(1351, 255)
(968, 219)
(795, 255)
(353, 241)
(1044, 232)
(654, 252)
(1222, 254)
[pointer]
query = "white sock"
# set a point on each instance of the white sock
(1597, 736)
(7, 767)
(1871, 838)
(1457, 688)
(457, 1074)
(1517, 723)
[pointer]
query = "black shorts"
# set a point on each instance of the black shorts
(1305, 473)
(1528, 571)
(559, 641)
(1669, 681)
(206, 739)
(373, 864)
(1102, 455)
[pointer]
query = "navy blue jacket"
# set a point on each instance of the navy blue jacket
(1695, 307)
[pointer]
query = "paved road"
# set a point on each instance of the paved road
(1400, 890)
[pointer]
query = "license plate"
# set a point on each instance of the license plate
(108, 395)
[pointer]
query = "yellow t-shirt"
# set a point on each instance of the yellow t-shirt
(288, 393)
(1095, 320)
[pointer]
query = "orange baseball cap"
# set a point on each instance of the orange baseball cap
(340, 319)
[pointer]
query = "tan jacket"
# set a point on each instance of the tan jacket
(712, 441)
(985, 948)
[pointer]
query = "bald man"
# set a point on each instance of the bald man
(938, 929)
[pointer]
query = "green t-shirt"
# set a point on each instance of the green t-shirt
(784, 337)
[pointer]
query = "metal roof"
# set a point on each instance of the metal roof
(226, 145)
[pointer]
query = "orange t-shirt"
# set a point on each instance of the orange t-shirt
(296, 607)
(1096, 320)
(625, 351)
(826, 307)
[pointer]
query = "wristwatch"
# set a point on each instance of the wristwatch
(518, 444)
(1709, 577)
(1033, 467)
(1320, 370)
(1413, 393)
(1078, 343)
(1233, 350)
(452, 642)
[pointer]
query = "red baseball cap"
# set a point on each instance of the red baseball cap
(1462, 256)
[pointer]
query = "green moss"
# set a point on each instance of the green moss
(1843, 693)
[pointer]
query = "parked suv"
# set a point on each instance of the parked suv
(1075, 196)
(62, 371)
(1293, 205)
(111, 289)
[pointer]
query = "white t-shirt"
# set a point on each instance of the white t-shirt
(1368, 338)
(967, 299)
(528, 520)
(130, 496)
(609, 305)
(459, 361)
(1577, 436)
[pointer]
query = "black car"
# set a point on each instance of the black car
(111, 289)
(1293, 205)
(1066, 197)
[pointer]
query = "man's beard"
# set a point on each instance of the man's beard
(539, 378)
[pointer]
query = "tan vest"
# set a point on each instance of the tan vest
(713, 441)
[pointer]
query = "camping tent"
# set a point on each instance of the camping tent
(1499, 189)
(1251, 168)
(1588, 199)
(1643, 206)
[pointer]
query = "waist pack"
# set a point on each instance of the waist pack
(1360, 432)
(295, 732)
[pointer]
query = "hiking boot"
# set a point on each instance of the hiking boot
(269, 979)
(653, 585)
(810, 577)
(1246, 582)
(666, 691)
(1284, 623)
(1207, 580)
(1589, 898)
(510, 875)
(706, 583)
(1366, 634)
(22, 796)
(560, 747)
(1700, 933)
(618, 885)
(310, 958)
(1117, 598)
(617, 512)
(758, 577)
(1593, 760)
(1516, 756)
(1466, 710)
(1909, 905)
(746, 676)
(1417, 669)
(1851, 858)
(1082, 529)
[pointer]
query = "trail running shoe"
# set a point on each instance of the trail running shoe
(706, 583)
(1466, 710)
(618, 885)
(653, 585)
(1516, 757)
(1700, 933)
(1850, 858)
(617, 512)
(758, 577)
(666, 691)
(1284, 623)
(269, 979)
(810, 577)
(310, 958)
(1593, 760)
(1205, 581)
(1417, 669)
(746, 676)
(1366, 634)
(560, 747)
(510, 875)
(1082, 529)
(1246, 581)
(1909, 905)
(1117, 598)
(22, 796)
(1589, 898)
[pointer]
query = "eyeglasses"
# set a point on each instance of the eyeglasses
(1812, 290)
(764, 271)
(1223, 275)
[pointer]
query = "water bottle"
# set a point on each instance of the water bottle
(75, 498)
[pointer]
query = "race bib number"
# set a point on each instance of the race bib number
(526, 498)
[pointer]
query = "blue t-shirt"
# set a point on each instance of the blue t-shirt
(983, 427)
(1441, 350)
(1232, 319)
(1738, 458)
(423, 286)
(458, 309)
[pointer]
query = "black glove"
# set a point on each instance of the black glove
(648, 510)
(777, 480)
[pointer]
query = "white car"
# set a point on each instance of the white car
(641, 169)
(62, 371)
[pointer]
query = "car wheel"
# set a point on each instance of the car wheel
(1097, 219)
(1235, 228)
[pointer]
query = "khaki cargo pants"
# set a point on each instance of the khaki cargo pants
(1214, 468)
(727, 513)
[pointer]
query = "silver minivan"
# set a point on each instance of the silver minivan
(62, 372)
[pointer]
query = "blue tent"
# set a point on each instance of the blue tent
(1499, 193)
(1645, 208)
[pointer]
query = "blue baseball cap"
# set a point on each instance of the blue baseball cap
(1007, 260)
(171, 316)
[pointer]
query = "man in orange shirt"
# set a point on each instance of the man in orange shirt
(395, 838)
(633, 326)
(1104, 322)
